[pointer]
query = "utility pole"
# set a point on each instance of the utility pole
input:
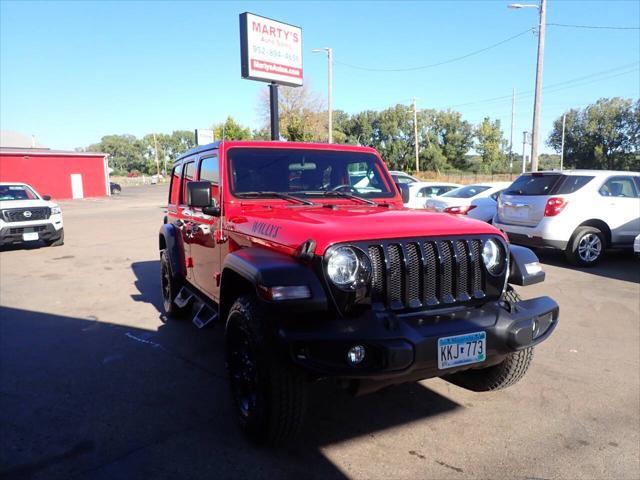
(329, 51)
(513, 117)
(415, 132)
(564, 121)
(538, 95)
(524, 145)
(155, 141)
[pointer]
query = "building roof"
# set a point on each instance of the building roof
(11, 139)
(47, 151)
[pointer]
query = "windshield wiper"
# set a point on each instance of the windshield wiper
(343, 195)
(284, 196)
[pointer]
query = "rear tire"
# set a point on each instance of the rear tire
(586, 247)
(506, 373)
(269, 392)
(170, 286)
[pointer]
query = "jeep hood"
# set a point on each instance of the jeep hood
(292, 225)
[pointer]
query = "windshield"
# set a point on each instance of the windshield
(467, 192)
(16, 192)
(306, 172)
(533, 184)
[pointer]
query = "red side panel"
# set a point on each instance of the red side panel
(51, 174)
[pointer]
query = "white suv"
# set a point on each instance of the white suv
(25, 216)
(582, 212)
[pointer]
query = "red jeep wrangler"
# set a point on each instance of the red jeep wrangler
(307, 256)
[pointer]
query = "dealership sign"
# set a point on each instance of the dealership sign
(271, 51)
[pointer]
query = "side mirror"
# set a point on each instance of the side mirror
(199, 194)
(403, 188)
(46, 197)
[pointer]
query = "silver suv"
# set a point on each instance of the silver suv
(582, 212)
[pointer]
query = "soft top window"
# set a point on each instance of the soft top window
(467, 192)
(306, 172)
(16, 192)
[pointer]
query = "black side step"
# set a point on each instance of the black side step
(183, 298)
(205, 316)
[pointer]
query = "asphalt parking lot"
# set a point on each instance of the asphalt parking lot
(95, 383)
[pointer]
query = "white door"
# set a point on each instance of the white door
(76, 185)
(620, 203)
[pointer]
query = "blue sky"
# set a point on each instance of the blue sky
(71, 72)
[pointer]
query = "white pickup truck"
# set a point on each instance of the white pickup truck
(25, 216)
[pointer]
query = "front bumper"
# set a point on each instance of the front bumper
(403, 347)
(12, 234)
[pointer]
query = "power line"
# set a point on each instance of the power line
(593, 27)
(552, 86)
(444, 62)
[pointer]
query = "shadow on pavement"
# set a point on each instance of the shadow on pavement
(84, 398)
(618, 265)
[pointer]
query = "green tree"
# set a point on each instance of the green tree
(126, 152)
(231, 130)
(489, 145)
(452, 135)
(393, 136)
(603, 135)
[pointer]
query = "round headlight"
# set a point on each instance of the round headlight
(492, 256)
(348, 267)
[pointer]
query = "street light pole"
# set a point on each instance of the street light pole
(538, 96)
(524, 145)
(513, 116)
(330, 87)
(542, 9)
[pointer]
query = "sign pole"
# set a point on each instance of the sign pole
(273, 102)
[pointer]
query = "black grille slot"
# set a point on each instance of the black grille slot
(462, 287)
(395, 274)
(431, 272)
(446, 279)
(18, 214)
(413, 274)
(377, 266)
(476, 275)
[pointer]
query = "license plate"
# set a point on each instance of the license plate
(30, 236)
(521, 213)
(462, 350)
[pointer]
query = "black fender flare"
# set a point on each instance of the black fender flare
(171, 239)
(518, 273)
(267, 268)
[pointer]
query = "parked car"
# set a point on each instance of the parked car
(420, 191)
(402, 177)
(27, 217)
(581, 212)
(477, 201)
(311, 277)
(115, 188)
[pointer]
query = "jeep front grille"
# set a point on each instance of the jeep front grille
(426, 273)
(18, 214)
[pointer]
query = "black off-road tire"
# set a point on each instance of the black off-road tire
(503, 375)
(170, 286)
(580, 237)
(58, 241)
(274, 413)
